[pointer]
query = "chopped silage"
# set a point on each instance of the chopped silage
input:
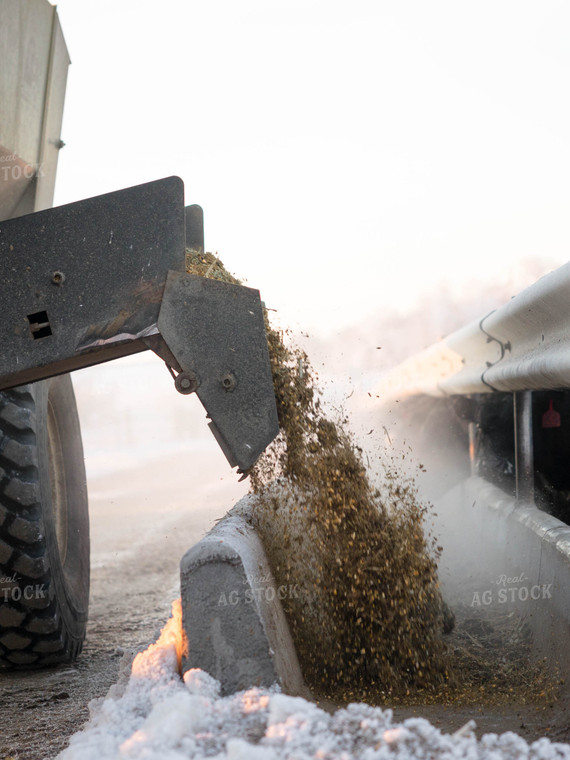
(368, 619)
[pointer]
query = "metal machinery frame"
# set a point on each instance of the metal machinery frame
(105, 277)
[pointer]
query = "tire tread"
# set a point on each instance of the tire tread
(32, 632)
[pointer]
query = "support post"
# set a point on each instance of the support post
(524, 458)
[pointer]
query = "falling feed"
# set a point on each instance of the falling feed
(369, 618)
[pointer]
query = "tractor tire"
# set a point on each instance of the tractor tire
(44, 526)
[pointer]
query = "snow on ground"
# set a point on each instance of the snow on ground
(160, 716)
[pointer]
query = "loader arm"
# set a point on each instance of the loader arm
(105, 277)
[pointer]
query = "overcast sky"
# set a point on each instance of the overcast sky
(348, 155)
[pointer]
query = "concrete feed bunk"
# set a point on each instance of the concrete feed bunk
(234, 626)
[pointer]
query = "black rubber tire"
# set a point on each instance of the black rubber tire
(44, 526)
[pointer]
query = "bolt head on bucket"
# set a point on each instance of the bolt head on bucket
(186, 382)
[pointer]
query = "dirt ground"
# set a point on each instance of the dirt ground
(141, 525)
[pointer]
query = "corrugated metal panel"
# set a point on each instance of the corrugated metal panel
(524, 345)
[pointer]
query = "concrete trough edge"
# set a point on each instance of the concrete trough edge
(537, 543)
(232, 617)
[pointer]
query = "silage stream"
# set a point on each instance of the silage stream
(369, 621)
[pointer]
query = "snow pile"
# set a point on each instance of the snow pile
(162, 717)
